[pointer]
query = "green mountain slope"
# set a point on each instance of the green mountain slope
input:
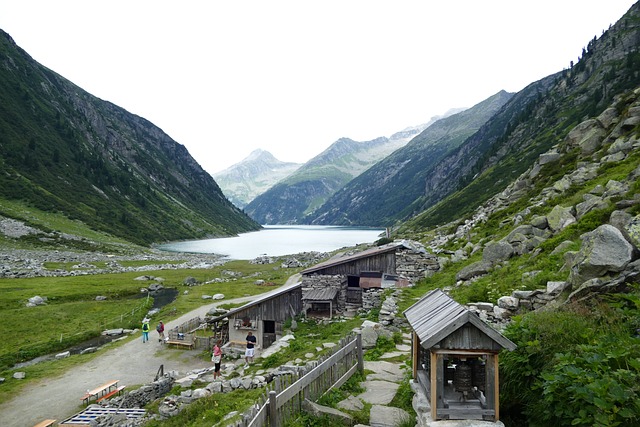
(386, 192)
(314, 182)
(531, 123)
(64, 150)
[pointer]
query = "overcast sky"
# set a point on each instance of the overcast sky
(224, 78)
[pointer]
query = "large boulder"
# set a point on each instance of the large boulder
(588, 135)
(560, 217)
(496, 252)
(476, 269)
(603, 251)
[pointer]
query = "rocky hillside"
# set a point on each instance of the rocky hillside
(314, 182)
(387, 192)
(63, 150)
(246, 180)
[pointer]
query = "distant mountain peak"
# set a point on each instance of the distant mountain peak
(252, 176)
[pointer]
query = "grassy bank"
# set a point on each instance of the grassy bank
(73, 315)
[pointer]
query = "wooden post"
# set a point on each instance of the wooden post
(360, 353)
(415, 347)
(273, 411)
(434, 395)
(496, 391)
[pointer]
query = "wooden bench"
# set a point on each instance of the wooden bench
(185, 343)
(111, 393)
(99, 392)
(45, 423)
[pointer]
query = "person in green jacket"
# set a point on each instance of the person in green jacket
(145, 330)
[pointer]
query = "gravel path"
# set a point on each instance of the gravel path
(133, 363)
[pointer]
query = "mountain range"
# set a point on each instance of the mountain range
(64, 150)
(252, 176)
(314, 182)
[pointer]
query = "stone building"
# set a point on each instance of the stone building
(340, 282)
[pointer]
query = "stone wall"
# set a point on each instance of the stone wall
(415, 264)
(145, 394)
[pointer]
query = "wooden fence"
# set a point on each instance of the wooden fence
(286, 394)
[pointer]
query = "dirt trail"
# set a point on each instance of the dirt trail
(133, 363)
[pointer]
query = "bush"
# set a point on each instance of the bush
(579, 365)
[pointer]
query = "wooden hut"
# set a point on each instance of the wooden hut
(394, 264)
(264, 316)
(455, 358)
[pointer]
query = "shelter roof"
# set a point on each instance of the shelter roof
(391, 247)
(323, 294)
(436, 315)
(259, 299)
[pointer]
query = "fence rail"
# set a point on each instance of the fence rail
(288, 393)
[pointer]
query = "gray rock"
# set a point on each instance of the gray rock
(337, 417)
(387, 416)
(378, 392)
(496, 252)
(351, 403)
(587, 135)
(508, 303)
(63, 355)
(591, 203)
(199, 393)
(603, 250)
(479, 268)
(101, 298)
(19, 375)
(555, 288)
(369, 337)
(539, 222)
(560, 217)
(218, 296)
(562, 247)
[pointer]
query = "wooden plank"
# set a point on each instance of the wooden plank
(45, 423)
(496, 388)
(296, 387)
(434, 382)
(111, 393)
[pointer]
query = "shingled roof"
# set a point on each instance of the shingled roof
(436, 315)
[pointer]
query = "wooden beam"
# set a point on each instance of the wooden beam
(415, 347)
(496, 390)
(433, 366)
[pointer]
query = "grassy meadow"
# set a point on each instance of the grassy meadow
(72, 314)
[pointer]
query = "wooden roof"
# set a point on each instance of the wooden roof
(259, 299)
(326, 294)
(436, 316)
(346, 259)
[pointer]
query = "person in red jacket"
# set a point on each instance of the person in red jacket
(160, 330)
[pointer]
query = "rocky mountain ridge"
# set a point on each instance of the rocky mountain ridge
(252, 176)
(584, 218)
(386, 192)
(308, 187)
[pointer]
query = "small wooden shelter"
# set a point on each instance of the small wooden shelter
(455, 358)
(264, 316)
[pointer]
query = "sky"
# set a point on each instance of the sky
(224, 78)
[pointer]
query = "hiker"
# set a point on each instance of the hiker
(160, 329)
(250, 351)
(216, 358)
(145, 330)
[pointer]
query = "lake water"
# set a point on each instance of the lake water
(277, 240)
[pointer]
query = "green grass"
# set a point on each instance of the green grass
(72, 315)
(210, 410)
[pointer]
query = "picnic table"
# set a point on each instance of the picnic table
(105, 391)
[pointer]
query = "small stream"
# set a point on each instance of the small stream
(161, 297)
